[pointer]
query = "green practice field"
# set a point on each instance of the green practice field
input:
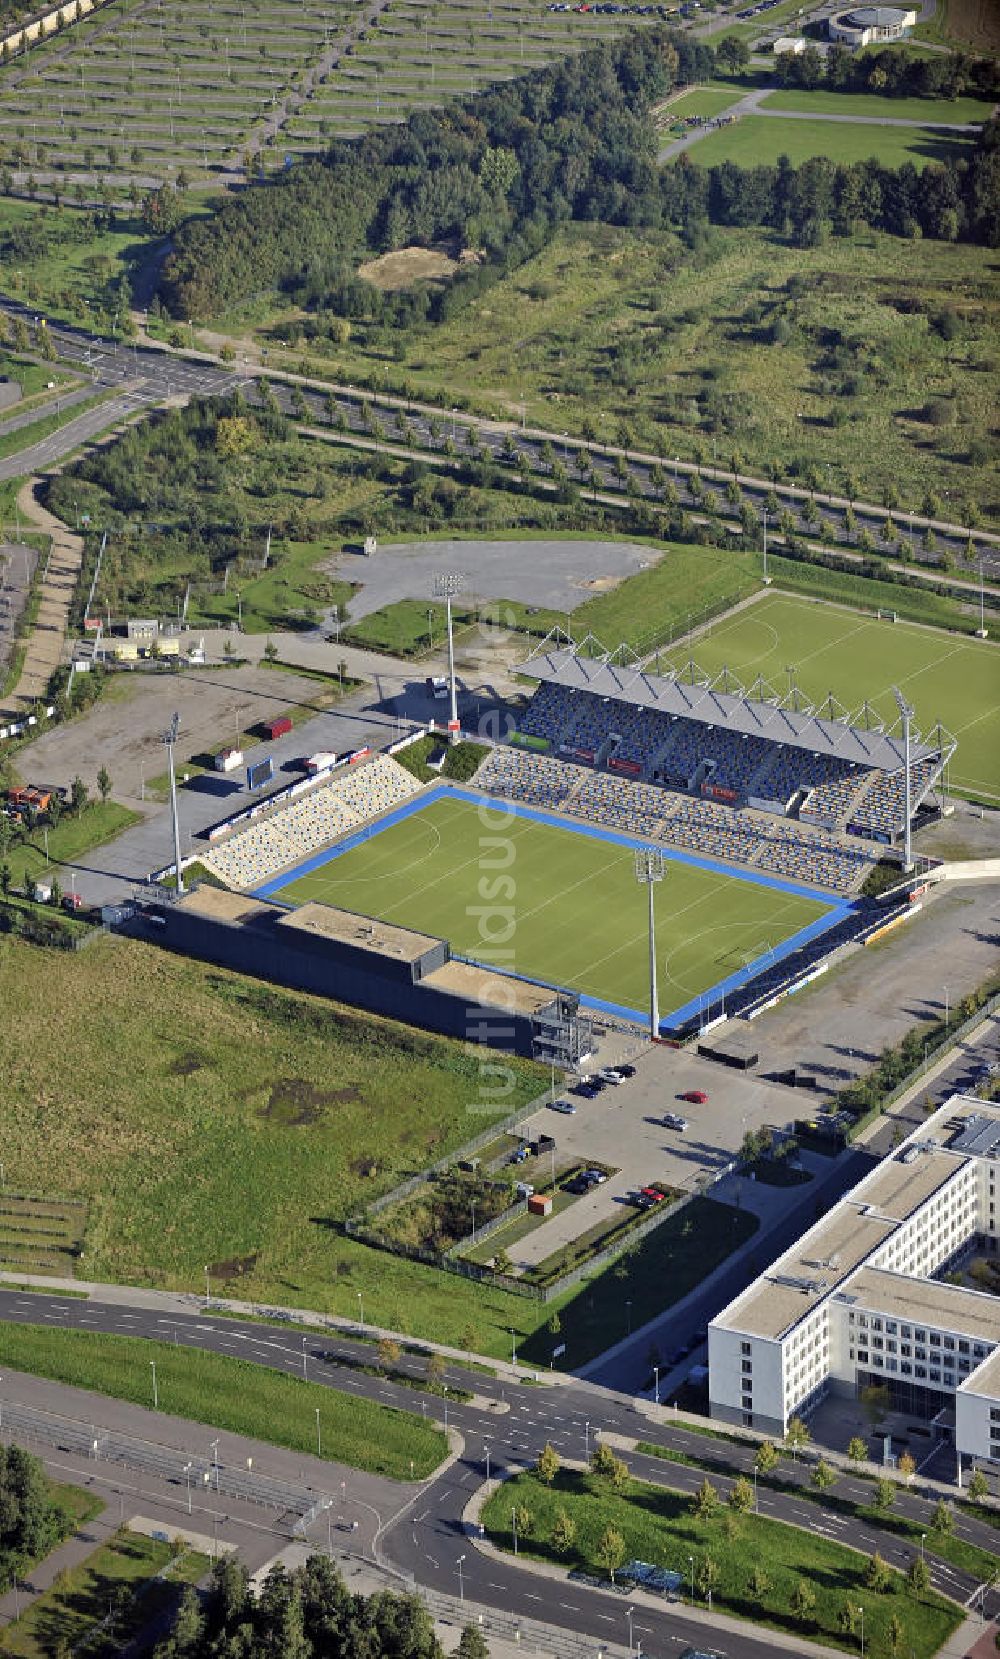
(570, 911)
(954, 680)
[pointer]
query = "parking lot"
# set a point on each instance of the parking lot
(17, 566)
(622, 1127)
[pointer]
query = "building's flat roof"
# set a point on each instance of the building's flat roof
(971, 1313)
(491, 989)
(740, 713)
(348, 928)
(832, 1252)
(221, 905)
(986, 1378)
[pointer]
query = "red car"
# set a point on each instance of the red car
(697, 1097)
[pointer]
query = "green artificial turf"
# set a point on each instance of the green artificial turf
(569, 910)
(956, 680)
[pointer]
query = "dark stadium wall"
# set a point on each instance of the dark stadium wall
(331, 969)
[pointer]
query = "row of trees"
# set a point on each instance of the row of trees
(951, 200)
(890, 71)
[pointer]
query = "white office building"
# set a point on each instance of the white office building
(859, 1300)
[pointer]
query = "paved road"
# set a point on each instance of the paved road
(514, 1421)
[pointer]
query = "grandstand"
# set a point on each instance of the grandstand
(296, 828)
(680, 731)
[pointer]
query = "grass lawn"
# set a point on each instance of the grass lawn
(423, 872)
(657, 1272)
(947, 111)
(232, 1394)
(659, 1526)
(947, 678)
(758, 140)
(291, 593)
(68, 843)
(706, 101)
(667, 598)
(77, 1601)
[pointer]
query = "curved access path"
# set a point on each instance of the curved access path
(62, 569)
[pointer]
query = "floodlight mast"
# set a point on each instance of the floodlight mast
(648, 872)
(169, 738)
(906, 715)
(446, 584)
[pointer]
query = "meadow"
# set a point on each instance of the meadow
(580, 918)
(658, 1525)
(856, 657)
(798, 358)
(241, 1133)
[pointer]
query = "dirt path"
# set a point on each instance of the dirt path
(45, 646)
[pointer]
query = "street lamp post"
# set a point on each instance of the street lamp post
(486, 1449)
(649, 870)
(628, 1614)
(586, 1440)
(755, 1509)
(446, 584)
(513, 1523)
(304, 1374)
(187, 1482)
(156, 1396)
(923, 1535)
(461, 1581)
(691, 1561)
(861, 1616)
(215, 1462)
(764, 516)
(207, 1291)
(656, 1385)
(947, 1008)
(361, 1307)
(169, 739)
(319, 1436)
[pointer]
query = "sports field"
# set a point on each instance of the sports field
(948, 678)
(559, 905)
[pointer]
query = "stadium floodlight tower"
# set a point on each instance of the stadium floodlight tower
(648, 872)
(906, 715)
(446, 584)
(169, 738)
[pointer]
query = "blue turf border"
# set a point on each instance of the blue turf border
(837, 909)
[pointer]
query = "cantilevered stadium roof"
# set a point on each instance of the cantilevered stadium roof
(680, 698)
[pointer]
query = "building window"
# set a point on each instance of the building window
(747, 1367)
(745, 1348)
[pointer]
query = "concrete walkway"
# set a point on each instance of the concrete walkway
(45, 644)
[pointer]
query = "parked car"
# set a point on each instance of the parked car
(594, 1177)
(610, 1075)
(578, 1186)
(624, 1070)
(565, 1106)
(673, 1120)
(72, 901)
(697, 1097)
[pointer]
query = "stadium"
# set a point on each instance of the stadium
(520, 886)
